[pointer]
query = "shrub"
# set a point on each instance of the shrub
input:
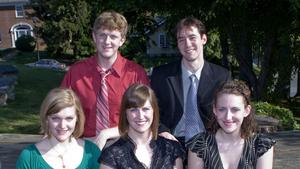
(285, 116)
(25, 43)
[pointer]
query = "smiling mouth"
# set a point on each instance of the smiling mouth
(228, 123)
(141, 122)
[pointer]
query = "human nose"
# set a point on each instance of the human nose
(62, 123)
(107, 39)
(228, 115)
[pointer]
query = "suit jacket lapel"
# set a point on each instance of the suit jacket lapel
(205, 83)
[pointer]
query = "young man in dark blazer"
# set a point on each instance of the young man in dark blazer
(171, 83)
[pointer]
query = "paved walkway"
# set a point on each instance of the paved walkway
(287, 149)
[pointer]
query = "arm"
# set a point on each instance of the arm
(168, 135)
(23, 161)
(178, 164)
(103, 166)
(105, 135)
(194, 162)
(266, 160)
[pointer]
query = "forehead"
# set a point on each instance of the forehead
(68, 111)
(229, 99)
(187, 31)
(108, 31)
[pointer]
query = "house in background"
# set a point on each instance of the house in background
(14, 21)
(159, 40)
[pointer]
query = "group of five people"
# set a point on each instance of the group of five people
(108, 114)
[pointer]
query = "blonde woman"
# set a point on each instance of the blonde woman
(62, 123)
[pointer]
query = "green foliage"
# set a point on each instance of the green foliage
(285, 116)
(22, 114)
(25, 43)
(66, 26)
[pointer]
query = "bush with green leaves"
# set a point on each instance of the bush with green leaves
(284, 115)
(25, 43)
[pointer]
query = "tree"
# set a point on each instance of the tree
(65, 26)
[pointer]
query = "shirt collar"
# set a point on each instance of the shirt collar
(117, 67)
(187, 73)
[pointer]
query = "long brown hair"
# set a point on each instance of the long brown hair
(136, 96)
(238, 88)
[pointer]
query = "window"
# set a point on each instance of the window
(163, 41)
(22, 30)
(19, 11)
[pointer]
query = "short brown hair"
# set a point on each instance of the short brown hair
(111, 20)
(238, 88)
(56, 100)
(188, 22)
(136, 96)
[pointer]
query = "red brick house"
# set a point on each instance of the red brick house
(14, 21)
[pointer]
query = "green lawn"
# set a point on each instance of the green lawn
(22, 114)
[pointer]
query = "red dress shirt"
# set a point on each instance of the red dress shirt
(84, 78)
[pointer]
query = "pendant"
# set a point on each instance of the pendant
(62, 159)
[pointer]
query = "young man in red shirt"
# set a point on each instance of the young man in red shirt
(84, 77)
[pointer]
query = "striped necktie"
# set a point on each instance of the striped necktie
(102, 115)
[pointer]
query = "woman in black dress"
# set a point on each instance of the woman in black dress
(231, 142)
(139, 146)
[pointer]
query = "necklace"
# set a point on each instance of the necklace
(60, 155)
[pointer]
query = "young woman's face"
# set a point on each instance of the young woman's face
(62, 124)
(230, 111)
(140, 118)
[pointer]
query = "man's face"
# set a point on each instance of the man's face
(108, 42)
(190, 43)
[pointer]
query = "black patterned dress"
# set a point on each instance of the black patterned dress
(120, 155)
(205, 146)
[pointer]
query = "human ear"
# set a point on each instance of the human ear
(123, 39)
(248, 109)
(94, 37)
(203, 38)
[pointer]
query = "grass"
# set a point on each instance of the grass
(22, 114)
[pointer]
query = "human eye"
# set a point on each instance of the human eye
(221, 109)
(113, 37)
(54, 118)
(133, 109)
(70, 118)
(180, 40)
(235, 109)
(146, 109)
(192, 38)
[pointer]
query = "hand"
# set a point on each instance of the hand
(101, 139)
(168, 135)
(105, 135)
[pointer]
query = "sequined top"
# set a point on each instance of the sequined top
(120, 155)
(205, 146)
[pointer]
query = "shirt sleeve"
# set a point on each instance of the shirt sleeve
(66, 82)
(108, 158)
(23, 161)
(197, 144)
(143, 78)
(178, 151)
(263, 144)
(94, 153)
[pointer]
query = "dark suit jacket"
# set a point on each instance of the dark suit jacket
(167, 85)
